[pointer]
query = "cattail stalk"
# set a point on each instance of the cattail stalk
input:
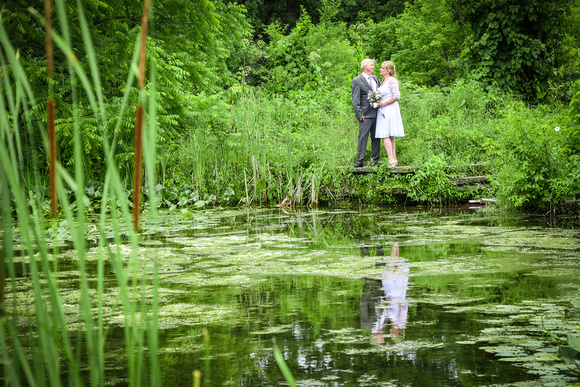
(50, 115)
(139, 120)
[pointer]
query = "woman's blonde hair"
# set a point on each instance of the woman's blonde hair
(390, 66)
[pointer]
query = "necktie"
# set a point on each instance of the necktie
(371, 82)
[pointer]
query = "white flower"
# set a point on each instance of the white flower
(557, 128)
(374, 97)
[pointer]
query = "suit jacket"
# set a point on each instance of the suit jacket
(360, 91)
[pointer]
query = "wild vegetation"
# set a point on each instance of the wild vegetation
(253, 102)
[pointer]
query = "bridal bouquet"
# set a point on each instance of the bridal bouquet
(374, 97)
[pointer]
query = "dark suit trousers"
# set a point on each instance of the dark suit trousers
(365, 129)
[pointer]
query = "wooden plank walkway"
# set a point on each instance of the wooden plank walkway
(470, 180)
(467, 182)
(402, 169)
(408, 169)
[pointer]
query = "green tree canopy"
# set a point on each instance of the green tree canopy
(262, 13)
(513, 43)
(191, 43)
(424, 42)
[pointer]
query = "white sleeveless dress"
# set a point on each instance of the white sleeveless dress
(389, 122)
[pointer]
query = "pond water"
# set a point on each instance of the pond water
(357, 297)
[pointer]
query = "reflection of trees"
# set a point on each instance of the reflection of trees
(365, 251)
(296, 310)
(509, 285)
(340, 228)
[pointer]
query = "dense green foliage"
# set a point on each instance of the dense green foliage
(253, 98)
(535, 165)
(514, 43)
(262, 13)
(425, 42)
(193, 67)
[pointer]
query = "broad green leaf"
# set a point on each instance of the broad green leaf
(574, 341)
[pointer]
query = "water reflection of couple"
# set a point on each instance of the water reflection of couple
(384, 301)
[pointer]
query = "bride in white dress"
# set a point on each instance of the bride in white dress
(389, 122)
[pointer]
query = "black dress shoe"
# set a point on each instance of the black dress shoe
(378, 164)
(358, 165)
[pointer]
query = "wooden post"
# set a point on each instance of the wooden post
(139, 119)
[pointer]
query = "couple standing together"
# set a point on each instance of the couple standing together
(382, 122)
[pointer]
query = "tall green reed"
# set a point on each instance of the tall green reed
(283, 366)
(48, 351)
(276, 144)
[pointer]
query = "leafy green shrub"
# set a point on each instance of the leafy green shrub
(252, 63)
(380, 40)
(328, 45)
(424, 42)
(573, 131)
(293, 66)
(430, 182)
(530, 164)
(310, 56)
(454, 121)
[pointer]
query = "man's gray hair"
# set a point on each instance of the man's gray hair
(366, 62)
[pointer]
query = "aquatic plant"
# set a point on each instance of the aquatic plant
(48, 351)
(568, 347)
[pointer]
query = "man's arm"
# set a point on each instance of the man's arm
(356, 100)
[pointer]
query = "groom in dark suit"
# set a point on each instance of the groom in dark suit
(365, 113)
